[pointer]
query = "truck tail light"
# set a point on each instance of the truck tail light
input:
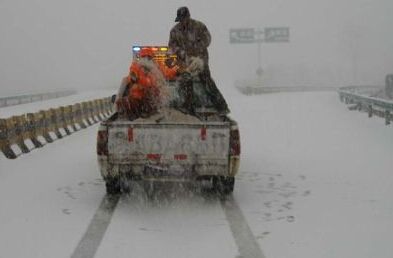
(102, 141)
(130, 134)
(235, 142)
(203, 133)
(180, 156)
(153, 156)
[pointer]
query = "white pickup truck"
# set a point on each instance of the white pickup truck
(170, 146)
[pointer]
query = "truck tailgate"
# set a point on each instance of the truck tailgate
(169, 143)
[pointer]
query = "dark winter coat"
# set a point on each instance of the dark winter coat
(190, 38)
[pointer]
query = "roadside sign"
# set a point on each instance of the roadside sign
(252, 35)
(259, 36)
(243, 35)
(277, 34)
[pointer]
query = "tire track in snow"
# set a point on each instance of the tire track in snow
(91, 240)
(245, 240)
(95, 232)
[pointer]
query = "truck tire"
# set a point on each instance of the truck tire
(150, 189)
(112, 186)
(125, 186)
(223, 185)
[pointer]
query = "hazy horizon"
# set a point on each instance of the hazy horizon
(51, 44)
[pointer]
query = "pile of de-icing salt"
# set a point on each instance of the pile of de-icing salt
(169, 115)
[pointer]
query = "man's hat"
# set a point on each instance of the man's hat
(182, 13)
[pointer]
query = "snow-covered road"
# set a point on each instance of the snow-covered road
(315, 181)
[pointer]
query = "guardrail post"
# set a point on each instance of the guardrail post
(360, 106)
(101, 108)
(78, 115)
(62, 120)
(89, 113)
(27, 131)
(387, 117)
(104, 108)
(33, 128)
(104, 112)
(370, 111)
(54, 121)
(97, 104)
(110, 105)
(69, 117)
(5, 145)
(100, 113)
(92, 110)
(19, 134)
(48, 126)
(107, 107)
(86, 113)
(389, 85)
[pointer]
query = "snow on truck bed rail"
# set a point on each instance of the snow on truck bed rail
(170, 115)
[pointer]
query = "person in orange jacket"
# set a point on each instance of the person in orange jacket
(140, 95)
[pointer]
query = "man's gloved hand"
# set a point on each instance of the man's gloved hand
(195, 66)
(185, 77)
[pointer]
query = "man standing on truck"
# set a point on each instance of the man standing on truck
(189, 39)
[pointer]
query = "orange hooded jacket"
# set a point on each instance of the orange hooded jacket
(143, 82)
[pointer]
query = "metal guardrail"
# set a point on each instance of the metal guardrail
(28, 98)
(254, 90)
(360, 99)
(46, 126)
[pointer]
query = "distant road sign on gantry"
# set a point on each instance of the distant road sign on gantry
(252, 35)
(278, 34)
(259, 36)
(244, 35)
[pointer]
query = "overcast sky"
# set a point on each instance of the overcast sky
(82, 44)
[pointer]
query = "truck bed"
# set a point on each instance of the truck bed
(170, 141)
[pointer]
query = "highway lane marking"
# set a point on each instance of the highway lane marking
(95, 232)
(245, 240)
(247, 245)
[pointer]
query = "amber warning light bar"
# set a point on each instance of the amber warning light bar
(160, 52)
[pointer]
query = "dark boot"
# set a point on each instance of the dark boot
(186, 92)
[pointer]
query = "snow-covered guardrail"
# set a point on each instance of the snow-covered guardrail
(359, 98)
(254, 90)
(28, 98)
(47, 125)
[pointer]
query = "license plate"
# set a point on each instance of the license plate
(166, 171)
(155, 171)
